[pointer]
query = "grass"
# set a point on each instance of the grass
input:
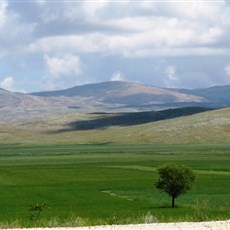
(210, 127)
(106, 184)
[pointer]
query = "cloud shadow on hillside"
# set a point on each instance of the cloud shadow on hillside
(106, 120)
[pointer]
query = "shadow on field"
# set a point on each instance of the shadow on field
(105, 120)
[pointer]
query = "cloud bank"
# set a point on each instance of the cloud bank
(148, 41)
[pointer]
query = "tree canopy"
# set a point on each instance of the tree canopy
(175, 180)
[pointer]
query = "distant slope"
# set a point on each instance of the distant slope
(211, 127)
(16, 107)
(106, 120)
(115, 96)
(124, 93)
(10, 99)
(217, 96)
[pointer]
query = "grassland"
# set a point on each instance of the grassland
(203, 128)
(101, 168)
(107, 183)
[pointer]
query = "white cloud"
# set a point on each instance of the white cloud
(62, 66)
(91, 8)
(3, 6)
(89, 43)
(227, 70)
(162, 32)
(141, 25)
(172, 78)
(147, 30)
(171, 72)
(118, 76)
(145, 33)
(62, 72)
(7, 83)
(124, 28)
(193, 10)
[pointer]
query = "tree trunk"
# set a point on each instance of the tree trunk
(173, 201)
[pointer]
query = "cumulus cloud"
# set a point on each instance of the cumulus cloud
(141, 30)
(3, 6)
(7, 83)
(118, 76)
(62, 71)
(126, 28)
(66, 65)
(171, 73)
(148, 33)
(172, 78)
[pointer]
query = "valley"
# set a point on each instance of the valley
(90, 157)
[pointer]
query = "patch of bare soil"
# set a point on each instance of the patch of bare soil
(212, 225)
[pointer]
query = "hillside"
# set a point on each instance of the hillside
(132, 94)
(124, 93)
(11, 99)
(175, 128)
(217, 96)
(115, 97)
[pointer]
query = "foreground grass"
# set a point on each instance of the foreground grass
(109, 184)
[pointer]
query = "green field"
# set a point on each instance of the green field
(106, 184)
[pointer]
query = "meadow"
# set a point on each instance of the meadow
(108, 184)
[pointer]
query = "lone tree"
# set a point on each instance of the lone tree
(174, 180)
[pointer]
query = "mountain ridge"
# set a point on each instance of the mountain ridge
(123, 92)
(126, 92)
(112, 96)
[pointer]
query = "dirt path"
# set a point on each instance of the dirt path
(212, 225)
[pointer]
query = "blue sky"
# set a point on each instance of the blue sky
(50, 45)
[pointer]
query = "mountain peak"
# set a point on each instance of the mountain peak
(124, 93)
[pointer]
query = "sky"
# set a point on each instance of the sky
(51, 45)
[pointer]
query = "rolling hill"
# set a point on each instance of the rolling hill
(102, 97)
(11, 99)
(217, 96)
(132, 94)
(124, 93)
(174, 126)
(116, 96)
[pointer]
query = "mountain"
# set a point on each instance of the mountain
(119, 112)
(114, 96)
(217, 96)
(125, 94)
(10, 99)
(131, 94)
